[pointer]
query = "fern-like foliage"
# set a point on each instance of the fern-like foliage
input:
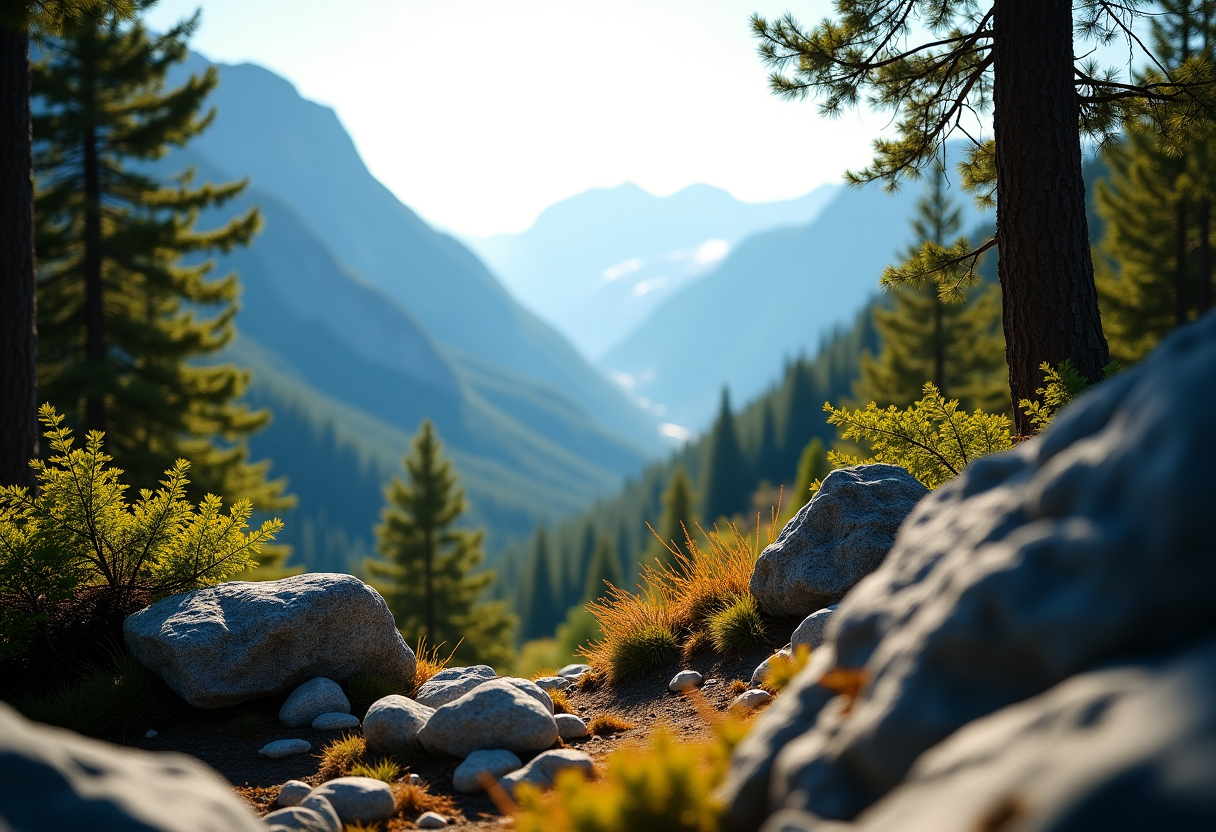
(1061, 384)
(80, 531)
(932, 439)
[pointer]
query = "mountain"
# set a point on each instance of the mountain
(297, 151)
(598, 264)
(775, 296)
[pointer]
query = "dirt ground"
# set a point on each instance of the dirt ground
(210, 736)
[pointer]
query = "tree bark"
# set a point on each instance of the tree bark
(1050, 305)
(1203, 264)
(18, 319)
(94, 320)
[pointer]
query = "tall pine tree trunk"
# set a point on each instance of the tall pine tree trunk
(95, 348)
(1050, 304)
(18, 322)
(1203, 284)
(1181, 305)
(430, 587)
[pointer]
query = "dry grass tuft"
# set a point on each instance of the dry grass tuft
(542, 672)
(608, 723)
(697, 643)
(429, 662)
(360, 827)
(247, 725)
(678, 599)
(589, 681)
(340, 756)
(414, 800)
(738, 627)
(738, 686)
(561, 702)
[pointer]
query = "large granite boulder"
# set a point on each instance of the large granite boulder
(496, 714)
(392, 723)
(1126, 747)
(1091, 543)
(54, 779)
(241, 640)
(835, 540)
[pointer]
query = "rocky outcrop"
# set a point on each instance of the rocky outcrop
(497, 714)
(54, 779)
(835, 540)
(242, 640)
(1090, 544)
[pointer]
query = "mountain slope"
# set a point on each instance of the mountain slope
(774, 297)
(297, 151)
(597, 264)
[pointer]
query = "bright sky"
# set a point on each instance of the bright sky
(479, 114)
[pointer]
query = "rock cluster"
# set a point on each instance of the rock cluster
(450, 684)
(496, 714)
(312, 699)
(1038, 648)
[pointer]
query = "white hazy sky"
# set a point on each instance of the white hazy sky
(478, 114)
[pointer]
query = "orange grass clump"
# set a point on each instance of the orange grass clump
(561, 702)
(608, 723)
(415, 800)
(340, 756)
(429, 662)
(738, 686)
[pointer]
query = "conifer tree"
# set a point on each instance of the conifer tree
(542, 601)
(123, 321)
(427, 570)
(769, 458)
(604, 569)
(933, 65)
(1155, 271)
(956, 343)
(678, 520)
(576, 572)
(812, 467)
(727, 485)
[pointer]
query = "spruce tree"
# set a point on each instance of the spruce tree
(124, 322)
(956, 343)
(678, 519)
(604, 569)
(769, 459)
(542, 600)
(933, 65)
(727, 486)
(578, 566)
(428, 566)
(812, 467)
(1155, 268)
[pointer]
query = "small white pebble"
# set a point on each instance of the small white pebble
(279, 749)
(750, 700)
(416, 780)
(709, 682)
(151, 734)
(431, 820)
(685, 680)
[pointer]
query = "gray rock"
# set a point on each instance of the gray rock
(495, 762)
(310, 700)
(760, 674)
(292, 792)
(548, 683)
(416, 780)
(54, 779)
(749, 700)
(151, 734)
(280, 749)
(298, 819)
(451, 684)
(431, 820)
(542, 768)
(241, 640)
(358, 799)
(392, 723)
(335, 722)
(497, 714)
(1127, 747)
(570, 727)
(532, 689)
(324, 808)
(1088, 543)
(812, 632)
(574, 670)
(684, 680)
(835, 540)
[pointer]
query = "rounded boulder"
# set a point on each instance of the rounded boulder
(392, 723)
(496, 714)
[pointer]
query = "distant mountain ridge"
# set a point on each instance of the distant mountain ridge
(597, 264)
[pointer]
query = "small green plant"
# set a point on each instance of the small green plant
(365, 687)
(738, 627)
(385, 770)
(1061, 385)
(247, 725)
(608, 723)
(932, 439)
(641, 651)
(341, 755)
(80, 531)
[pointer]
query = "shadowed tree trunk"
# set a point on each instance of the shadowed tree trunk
(1181, 306)
(18, 331)
(1050, 304)
(1203, 280)
(95, 348)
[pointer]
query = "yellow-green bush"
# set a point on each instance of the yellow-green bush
(738, 627)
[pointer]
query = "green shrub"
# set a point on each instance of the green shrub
(365, 687)
(738, 627)
(640, 651)
(81, 531)
(385, 770)
(247, 725)
(1061, 385)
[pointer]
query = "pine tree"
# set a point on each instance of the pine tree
(123, 322)
(953, 342)
(1155, 271)
(769, 459)
(678, 520)
(577, 569)
(18, 326)
(542, 601)
(427, 570)
(933, 65)
(604, 569)
(812, 467)
(727, 485)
